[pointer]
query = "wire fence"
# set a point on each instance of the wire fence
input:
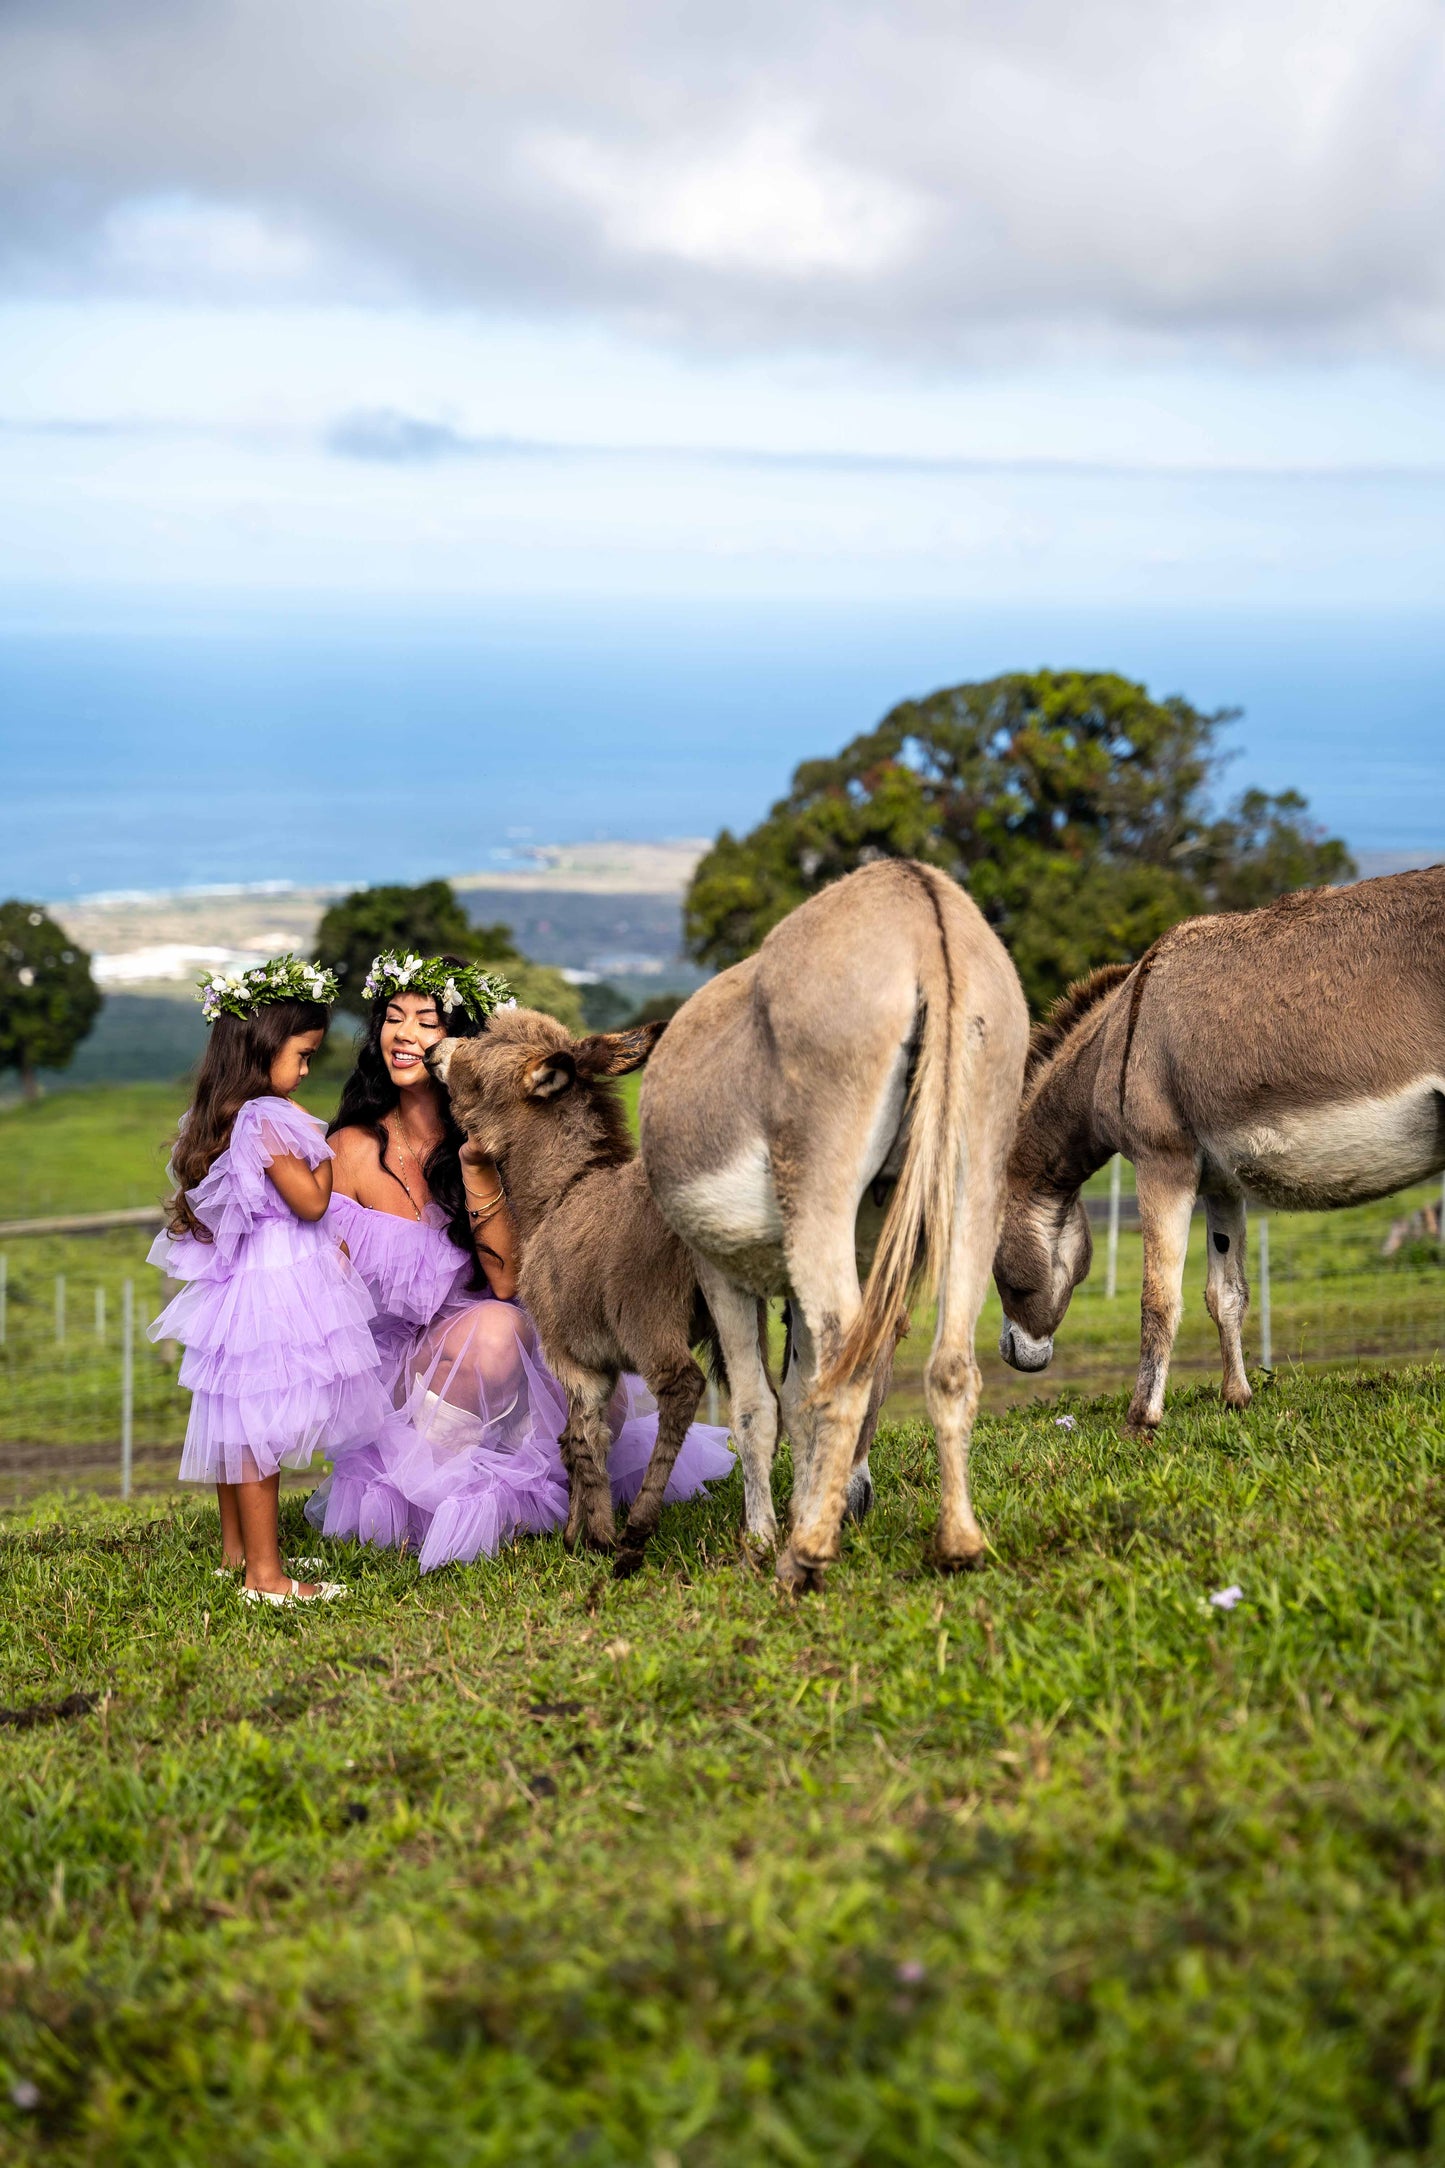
(88, 1400)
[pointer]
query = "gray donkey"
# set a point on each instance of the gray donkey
(607, 1283)
(1295, 1055)
(847, 1094)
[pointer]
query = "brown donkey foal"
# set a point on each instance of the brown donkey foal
(1294, 1055)
(606, 1282)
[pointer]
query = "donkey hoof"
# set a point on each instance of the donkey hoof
(955, 1561)
(795, 1576)
(860, 1496)
(629, 1560)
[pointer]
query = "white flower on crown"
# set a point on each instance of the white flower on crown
(451, 999)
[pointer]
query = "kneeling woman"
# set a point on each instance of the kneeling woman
(425, 1220)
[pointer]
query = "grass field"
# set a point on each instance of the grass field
(1056, 1864)
(1335, 1299)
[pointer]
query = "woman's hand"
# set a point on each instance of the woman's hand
(476, 1163)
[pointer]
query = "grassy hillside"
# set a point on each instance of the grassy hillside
(1059, 1864)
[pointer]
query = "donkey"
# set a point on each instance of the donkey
(871, 1052)
(1294, 1055)
(607, 1284)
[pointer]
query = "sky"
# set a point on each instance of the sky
(980, 305)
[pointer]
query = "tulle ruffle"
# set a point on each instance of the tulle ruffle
(235, 1195)
(410, 1267)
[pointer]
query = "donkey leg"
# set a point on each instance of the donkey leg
(825, 1279)
(583, 1446)
(754, 1408)
(795, 1396)
(860, 1482)
(1167, 1186)
(952, 1380)
(1226, 1292)
(677, 1389)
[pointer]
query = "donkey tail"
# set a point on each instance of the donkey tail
(917, 1228)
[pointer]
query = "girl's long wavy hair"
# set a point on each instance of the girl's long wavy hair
(369, 1095)
(235, 1067)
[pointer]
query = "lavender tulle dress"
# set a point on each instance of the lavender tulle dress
(279, 1356)
(476, 1462)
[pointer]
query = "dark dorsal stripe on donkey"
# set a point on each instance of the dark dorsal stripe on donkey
(607, 1284)
(1293, 1055)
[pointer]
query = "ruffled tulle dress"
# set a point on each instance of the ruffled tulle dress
(279, 1358)
(477, 1461)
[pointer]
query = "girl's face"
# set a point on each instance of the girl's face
(413, 1023)
(293, 1064)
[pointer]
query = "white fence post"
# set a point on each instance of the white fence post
(1266, 1341)
(60, 1309)
(127, 1384)
(1111, 1268)
(4, 1297)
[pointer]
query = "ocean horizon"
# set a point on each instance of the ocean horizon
(157, 746)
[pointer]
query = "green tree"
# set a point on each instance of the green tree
(430, 920)
(1073, 806)
(48, 999)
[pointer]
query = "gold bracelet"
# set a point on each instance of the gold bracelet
(488, 1207)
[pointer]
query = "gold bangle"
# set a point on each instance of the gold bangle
(488, 1207)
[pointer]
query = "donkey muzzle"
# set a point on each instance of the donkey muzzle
(438, 1058)
(1021, 1351)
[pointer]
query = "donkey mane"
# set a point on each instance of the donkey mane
(1072, 1006)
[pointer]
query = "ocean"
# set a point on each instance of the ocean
(150, 745)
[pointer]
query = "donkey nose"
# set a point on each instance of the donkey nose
(438, 1058)
(1021, 1351)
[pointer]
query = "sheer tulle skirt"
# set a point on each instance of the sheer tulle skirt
(477, 1461)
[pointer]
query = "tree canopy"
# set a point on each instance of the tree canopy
(48, 999)
(1074, 807)
(430, 920)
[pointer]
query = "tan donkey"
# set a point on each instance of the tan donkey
(1294, 1055)
(841, 1102)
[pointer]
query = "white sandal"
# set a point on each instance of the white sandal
(326, 1593)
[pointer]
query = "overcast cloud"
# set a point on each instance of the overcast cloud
(924, 180)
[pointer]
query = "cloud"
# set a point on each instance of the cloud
(927, 181)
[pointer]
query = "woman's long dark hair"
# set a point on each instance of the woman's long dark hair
(235, 1067)
(369, 1095)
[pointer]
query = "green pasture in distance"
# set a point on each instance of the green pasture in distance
(1056, 1864)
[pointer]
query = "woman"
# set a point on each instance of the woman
(425, 1219)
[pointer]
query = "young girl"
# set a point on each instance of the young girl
(279, 1355)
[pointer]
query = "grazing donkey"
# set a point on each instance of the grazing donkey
(870, 1053)
(1294, 1055)
(607, 1284)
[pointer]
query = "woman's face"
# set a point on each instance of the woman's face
(413, 1023)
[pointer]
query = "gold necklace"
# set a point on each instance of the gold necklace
(399, 1140)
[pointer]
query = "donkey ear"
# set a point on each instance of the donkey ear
(549, 1078)
(615, 1053)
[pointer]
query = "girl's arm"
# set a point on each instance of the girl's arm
(493, 1229)
(307, 1190)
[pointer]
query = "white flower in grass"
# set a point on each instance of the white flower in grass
(1225, 1599)
(1065, 1422)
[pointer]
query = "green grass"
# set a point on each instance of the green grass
(514, 1865)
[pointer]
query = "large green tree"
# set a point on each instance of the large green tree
(1074, 807)
(48, 999)
(430, 920)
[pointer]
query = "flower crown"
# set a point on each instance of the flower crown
(452, 986)
(283, 978)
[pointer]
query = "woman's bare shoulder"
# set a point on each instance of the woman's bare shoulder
(357, 1154)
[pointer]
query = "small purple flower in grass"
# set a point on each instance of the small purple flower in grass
(911, 1972)
(1225, 1599)
(1065, 1422)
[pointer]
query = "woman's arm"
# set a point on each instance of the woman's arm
(493, 1229)
(307, 1190)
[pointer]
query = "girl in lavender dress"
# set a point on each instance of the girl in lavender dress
(279, 1357)
(424, 1217)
